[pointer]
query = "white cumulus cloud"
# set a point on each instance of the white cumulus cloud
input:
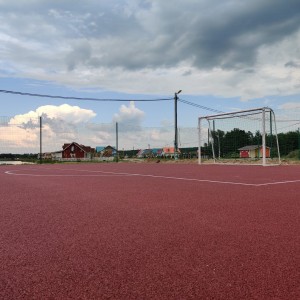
(60, 124)
(66, 112)
(290, 106)
(129, 114)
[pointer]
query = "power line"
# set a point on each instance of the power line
(199, 106)
(288, 120)
(218, 111)
(106, 99)
(292, 125)
(79, 98)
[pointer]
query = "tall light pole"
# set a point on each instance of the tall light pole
(176, 130)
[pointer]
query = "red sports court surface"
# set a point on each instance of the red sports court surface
(149, 231)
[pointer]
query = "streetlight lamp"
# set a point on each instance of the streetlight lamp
(176, 130)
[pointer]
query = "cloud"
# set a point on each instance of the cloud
(292, 64)
(65, 123)
(129, 114)
(60, 124)
(64, 112)
(18, 140)
(290, 106)
(206, 47)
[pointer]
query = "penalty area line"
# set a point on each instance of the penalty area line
(105, 173)
(279, 182)
(60, 175)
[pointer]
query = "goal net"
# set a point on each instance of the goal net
(241, 137)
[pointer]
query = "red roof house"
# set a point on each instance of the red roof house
(75, 150)
(169, 151)
(253, 151)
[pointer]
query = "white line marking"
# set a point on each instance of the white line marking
(104, 173)
(278, 182)
(59, 175)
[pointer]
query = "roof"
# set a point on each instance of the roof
(109, 147)
(82, 147)
(251, 147)
(109, 151)
(169, 150)
(157, 150)
(99, 148)
(144, 152)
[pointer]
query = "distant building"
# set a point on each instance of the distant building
(56, 155)
(109, 151)
(75, 150)
(253, 151)
(51, 155)
(99, 149)
(157, 152)
(169, 151)
(143, 153)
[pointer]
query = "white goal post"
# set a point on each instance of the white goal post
(246, 136)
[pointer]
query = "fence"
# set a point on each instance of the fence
(47, 136)
(238, 135)
(28, 137)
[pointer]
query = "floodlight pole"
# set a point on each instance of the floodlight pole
(176, 129)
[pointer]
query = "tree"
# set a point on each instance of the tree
(235, 139)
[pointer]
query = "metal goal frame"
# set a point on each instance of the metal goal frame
(240, 114)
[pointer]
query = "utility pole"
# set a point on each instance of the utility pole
(41, 151)
(176, 130)
(117, 142)
(219, 144)
(299, 143)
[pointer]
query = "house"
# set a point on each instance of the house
(169, 151)
(57, 155)
(157, 152)
(51, 155)
(46, 155)
(253, 151)
(99, 149)
(77, 151)
(108, 151)
(143, 153)
(146, 153)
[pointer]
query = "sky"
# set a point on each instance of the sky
(225, 55)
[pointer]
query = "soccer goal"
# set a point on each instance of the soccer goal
(240, 137)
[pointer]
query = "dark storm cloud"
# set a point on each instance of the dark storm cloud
(232, 37)
(137, 34)
(292, 64)
(225, 34)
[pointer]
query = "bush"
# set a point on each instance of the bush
(293, 155)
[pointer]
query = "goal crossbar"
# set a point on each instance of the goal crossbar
(258, 115)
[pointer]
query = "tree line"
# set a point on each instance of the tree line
(226, 144)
